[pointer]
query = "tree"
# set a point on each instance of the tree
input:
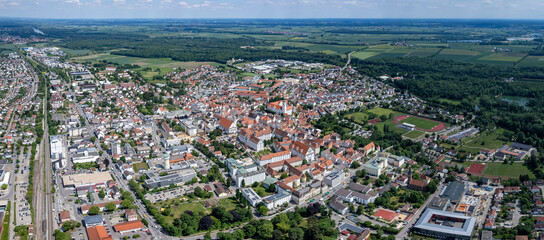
(205, 222)
(284, 176)
(101, 194)
(243, 183)
(296, 234)
(126, 203)
(207, 236)
(4, 186)
(262, 209)
(265, 229)
(67, 226)
(249, 230)
(94, 210)
(111, 206)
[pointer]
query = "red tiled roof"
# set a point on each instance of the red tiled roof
(127, 226)
(98, 233)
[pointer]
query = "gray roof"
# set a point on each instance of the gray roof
(424, 223)
(454, 191)
(93, 219)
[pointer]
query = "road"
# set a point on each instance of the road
(404, 232)
(349, 60)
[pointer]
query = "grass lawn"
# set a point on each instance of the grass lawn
(499, 169)
(420, 122)
(414, 134)
(6, 222)
(384, 111)
(487, 139)
(140, 165)
(392, 127)
(229, 203)
(176, 211)
(359, 117)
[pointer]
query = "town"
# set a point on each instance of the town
(95, 151)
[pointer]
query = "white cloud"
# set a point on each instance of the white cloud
(119, 1)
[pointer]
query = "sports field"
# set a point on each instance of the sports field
(420, 122)
(413, 134)
(498, 169)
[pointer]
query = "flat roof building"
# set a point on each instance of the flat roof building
(444, 225)
(86, 179)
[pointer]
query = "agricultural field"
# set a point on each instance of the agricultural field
(505, 57)
(423, 52)
(414, 134)
(364, 54)
(149, 67)
(420, 122)
(498, 169)
(532, 61)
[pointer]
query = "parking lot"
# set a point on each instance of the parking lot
(24, 216)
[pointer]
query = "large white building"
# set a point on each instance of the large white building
(276, 200)
(57, 147)
(274, 157)
(376, 166)
(244, 174)
(85, 155)
(252, 197)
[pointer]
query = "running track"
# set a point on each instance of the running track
(440, 126)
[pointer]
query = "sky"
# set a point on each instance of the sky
(477, 9)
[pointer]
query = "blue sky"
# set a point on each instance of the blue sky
(503, 9)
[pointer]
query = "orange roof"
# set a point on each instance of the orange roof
(127, 226)
(98, 233)
(225, 122)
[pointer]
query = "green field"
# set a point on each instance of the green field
(176, 211)
(498, 169)
(532, 61)
(463, 52)
(392, 127)
(384, 111)
(413, 134)
(420, 122)
(423, 52)
(512, 57)
(487, 139)
(359, 117)
(364, 54)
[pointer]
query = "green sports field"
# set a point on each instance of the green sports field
(498, 169)
(413, 134)
(420, 122)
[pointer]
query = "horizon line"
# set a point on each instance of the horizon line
(270, 18)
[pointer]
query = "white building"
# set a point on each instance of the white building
(85, 155)
(273, 157)
(57, 147)
(276, 200)
(252, 197)
(376, 166)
